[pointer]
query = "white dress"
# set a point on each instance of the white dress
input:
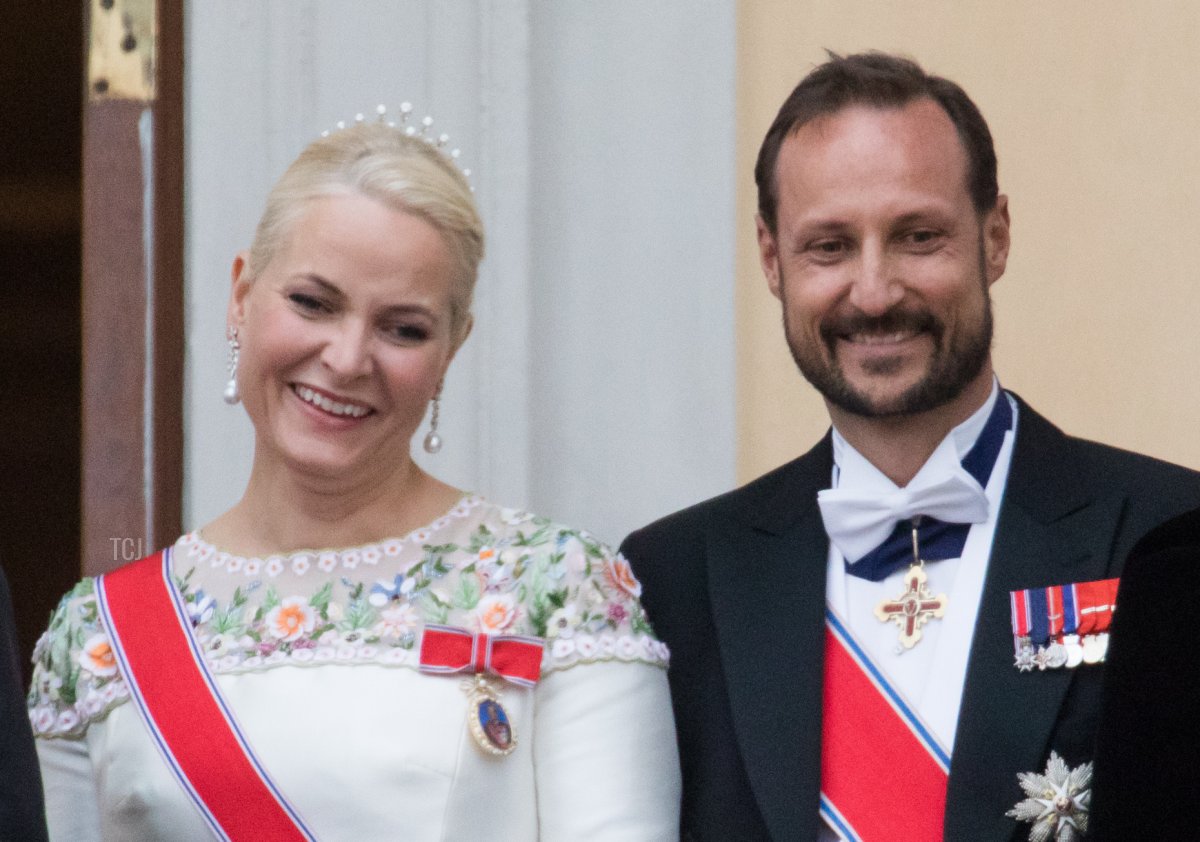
(316, 653)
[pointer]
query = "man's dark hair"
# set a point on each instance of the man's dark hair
(879, 80)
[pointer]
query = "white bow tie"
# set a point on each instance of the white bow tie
(858, 521)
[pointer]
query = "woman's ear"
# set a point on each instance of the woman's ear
(240, 285)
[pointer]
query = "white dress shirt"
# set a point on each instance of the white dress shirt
(929, 676)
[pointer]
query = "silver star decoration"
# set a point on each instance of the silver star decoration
(1024, 660)
(1056, 803)
(1042, 659)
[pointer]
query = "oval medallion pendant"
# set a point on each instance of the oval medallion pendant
(489, 724)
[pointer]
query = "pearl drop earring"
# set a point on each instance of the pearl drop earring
(433, 442)
(232, 394)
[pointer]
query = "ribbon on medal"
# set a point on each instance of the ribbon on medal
(514, 658)
(451, 649)
(1062, 625)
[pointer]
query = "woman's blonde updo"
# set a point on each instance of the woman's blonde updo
(405, 173)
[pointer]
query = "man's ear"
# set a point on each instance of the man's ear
(768, 254)
(996, 240)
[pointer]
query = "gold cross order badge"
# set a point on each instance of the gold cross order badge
(916, 605)
(913, 608)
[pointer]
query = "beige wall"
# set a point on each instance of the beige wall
(1095, 110)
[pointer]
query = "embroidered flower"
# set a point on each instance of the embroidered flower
(113, 691)
(617, 613)
(290, 619)
(496, 570)
(253, 565)
(627, 648)
(370, 556)
(274, 565)
(200, 608)
(220, 645)
(300, 564)
(563, 621)
(607, 643)
(42, 719)
(620, 576)
(397, 621)
(393, 547)
(67, 721)
(396, 655)
(586, 646)
(47, 686)
(97, 656)
(383, 592)
(327, 562)
(496, 613)
(92, 704)
(562, 648)
(350, 559)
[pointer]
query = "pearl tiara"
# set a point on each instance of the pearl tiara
(418, 129)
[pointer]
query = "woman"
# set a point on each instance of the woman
(374, 634)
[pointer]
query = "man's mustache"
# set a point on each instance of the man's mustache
(898, 320)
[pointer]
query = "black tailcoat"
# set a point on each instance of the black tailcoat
(1148, 748)
(22, 812)
(736, 588)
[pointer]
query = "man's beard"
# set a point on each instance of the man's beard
(950, 370)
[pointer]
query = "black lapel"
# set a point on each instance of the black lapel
(767, 580)
(1052, 530)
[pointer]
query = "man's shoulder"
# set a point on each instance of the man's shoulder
(1095, 463)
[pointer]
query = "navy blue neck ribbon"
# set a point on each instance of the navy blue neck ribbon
(939, 540)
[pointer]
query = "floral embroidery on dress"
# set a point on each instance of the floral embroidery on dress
(75, 676)
(502, 572)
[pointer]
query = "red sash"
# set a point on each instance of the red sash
(883, 774)
(169, 682)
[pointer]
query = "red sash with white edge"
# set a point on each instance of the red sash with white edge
(883, 773)
(169, 682)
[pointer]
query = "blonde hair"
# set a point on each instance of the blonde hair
(403, 172)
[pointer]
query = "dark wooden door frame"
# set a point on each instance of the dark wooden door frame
(132, 447)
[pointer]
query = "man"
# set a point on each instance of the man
(21, 809)
(844, 660)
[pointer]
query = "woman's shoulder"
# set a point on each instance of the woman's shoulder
(75, 678)
(544, 578)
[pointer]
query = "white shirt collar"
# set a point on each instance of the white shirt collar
(853, 470)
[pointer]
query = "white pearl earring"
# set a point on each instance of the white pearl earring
(433, 442)
(232, 394)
